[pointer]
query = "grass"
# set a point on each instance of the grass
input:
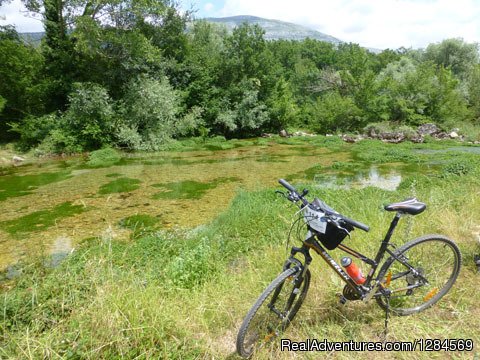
(183, 294)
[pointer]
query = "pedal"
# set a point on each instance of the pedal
(477, 262)
(342, 299)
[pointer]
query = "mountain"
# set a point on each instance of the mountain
(275, 29)
(33, 38)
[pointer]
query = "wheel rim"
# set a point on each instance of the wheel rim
(435, 265)
(269, 323)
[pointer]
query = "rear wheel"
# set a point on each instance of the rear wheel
(273, 311)
(431, 266)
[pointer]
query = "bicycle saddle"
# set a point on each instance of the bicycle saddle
(410, 206)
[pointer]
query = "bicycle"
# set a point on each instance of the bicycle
(409, 281)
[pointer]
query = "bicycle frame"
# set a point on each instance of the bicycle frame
(365, 291)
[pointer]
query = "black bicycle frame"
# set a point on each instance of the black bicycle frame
(312, 243)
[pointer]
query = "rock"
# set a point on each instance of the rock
(283, 133)
(417, 139)
(392, 137)
(266, 135)
(453, 135)
(302, 133)
(348, 139)
(17, 159)
(441, 135)
(428, 129)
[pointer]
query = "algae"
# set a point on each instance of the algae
(41, 220)
(21, 185)
(120, 185)
(189, 189)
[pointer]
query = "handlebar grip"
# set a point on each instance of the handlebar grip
(356, 224)
(289, 187)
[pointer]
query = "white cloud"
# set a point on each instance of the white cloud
(373, 23)
(15, 13)
(208, 7)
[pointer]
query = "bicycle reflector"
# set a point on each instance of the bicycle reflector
(431, 294)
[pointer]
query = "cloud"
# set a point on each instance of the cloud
(373, 23)
(208, 7)
(15, 13)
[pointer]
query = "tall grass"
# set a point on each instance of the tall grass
(183, 294)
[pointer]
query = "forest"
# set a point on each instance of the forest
(138, 74)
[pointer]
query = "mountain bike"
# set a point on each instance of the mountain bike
(414, 276)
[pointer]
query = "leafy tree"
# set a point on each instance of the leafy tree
(473, 85)
(334, 112)
(455, 54)
(19, 67)
(248, 115)
(90, 116)
(206, 45)
(420, 93)
(283, 109)
(151, 116)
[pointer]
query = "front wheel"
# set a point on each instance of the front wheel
(424, 272)
(273, 311)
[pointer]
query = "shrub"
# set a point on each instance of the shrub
(149, 111)
(33, 130)
(90, 115)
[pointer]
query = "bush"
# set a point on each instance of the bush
(33, 130)
(334, 112)
(149, 112)
(59, 140)
(90, 115)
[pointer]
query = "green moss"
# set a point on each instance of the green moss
(14, 185)
(120, 185)
(41, 220)
(188, 189)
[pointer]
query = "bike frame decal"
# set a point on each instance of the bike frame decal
(334, 265)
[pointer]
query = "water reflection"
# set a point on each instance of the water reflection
(386, 180)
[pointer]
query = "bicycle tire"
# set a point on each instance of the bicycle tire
(436, 258)
(262, 321)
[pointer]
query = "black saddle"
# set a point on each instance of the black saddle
(410, 206)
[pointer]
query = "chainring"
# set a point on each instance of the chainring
(350, 294)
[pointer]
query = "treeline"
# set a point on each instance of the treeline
(135, 74)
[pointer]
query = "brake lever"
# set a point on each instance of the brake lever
(281, 193)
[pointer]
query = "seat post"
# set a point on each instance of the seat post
(383, 246)
(392, 227)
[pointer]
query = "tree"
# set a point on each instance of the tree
(150, 114)
(415, 93)
(19, 67)
(455, 54)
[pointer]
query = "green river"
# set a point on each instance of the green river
(51, 206)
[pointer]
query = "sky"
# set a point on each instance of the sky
(377, 24)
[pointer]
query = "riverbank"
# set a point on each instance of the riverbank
(183, 293)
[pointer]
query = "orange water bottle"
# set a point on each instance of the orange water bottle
(352, 270)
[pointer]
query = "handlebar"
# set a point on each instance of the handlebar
(296, 195)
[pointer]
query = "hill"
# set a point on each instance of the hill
(275, 29)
